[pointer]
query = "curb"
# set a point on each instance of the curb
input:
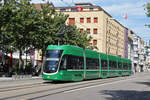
(19, 77)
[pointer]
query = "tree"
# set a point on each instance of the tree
(45, 28)
(52, 29)
(148, 12)
(6, 14)
(72, 36)
(20, 26)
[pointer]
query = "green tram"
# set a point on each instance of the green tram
(72, 63)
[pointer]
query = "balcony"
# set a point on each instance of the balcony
(135, 61)
(141, 63)
(135, 43)
(135, 49)
(135, 55)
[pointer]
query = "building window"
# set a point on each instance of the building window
(88, 30)
(81, 30)
(89, 42)
(62, 10)
(91, 9)
(94, 42)
(95, 20)
(88, 20)
(81, 20)
(71, 21)
(95, 31)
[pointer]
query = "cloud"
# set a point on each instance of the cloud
(135, 9)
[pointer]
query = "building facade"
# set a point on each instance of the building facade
(131, 49)
(107, 33)
(126, 43)
(135, 54)
(130, 44)
(147, 56)
(139, 54)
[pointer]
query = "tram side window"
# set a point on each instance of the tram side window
(92, 63)
(104, 64)
(125, 66)
(72, 62)
(70, 65)
(115, 65)
(81, 63)
(119, 66)
(63, 64)
(112, 65)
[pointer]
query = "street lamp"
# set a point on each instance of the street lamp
(61, 31)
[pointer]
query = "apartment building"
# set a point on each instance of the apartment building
(108, 34)
(130, 48)
(130, 44)
(147, 56)
(139, 53)
(135, 54)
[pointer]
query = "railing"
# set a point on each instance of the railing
(17, 77)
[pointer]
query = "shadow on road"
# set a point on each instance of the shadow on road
(57, 82)
(145, 83)
(65, 82)
(126, 95)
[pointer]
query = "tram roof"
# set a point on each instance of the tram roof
(89, 53)
(61, 47)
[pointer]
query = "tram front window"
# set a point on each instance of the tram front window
(52, 61)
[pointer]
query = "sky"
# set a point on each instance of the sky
(136, 15)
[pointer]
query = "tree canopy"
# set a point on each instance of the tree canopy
(23, 26)
(148, 11)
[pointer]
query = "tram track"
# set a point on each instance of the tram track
(11, 88)
(60, 88)
(71, 88)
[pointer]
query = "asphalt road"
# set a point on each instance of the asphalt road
(134, 88)
(7, 82)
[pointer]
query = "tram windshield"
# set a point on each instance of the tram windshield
(52, 61)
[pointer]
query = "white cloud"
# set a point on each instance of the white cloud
(136, 9)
